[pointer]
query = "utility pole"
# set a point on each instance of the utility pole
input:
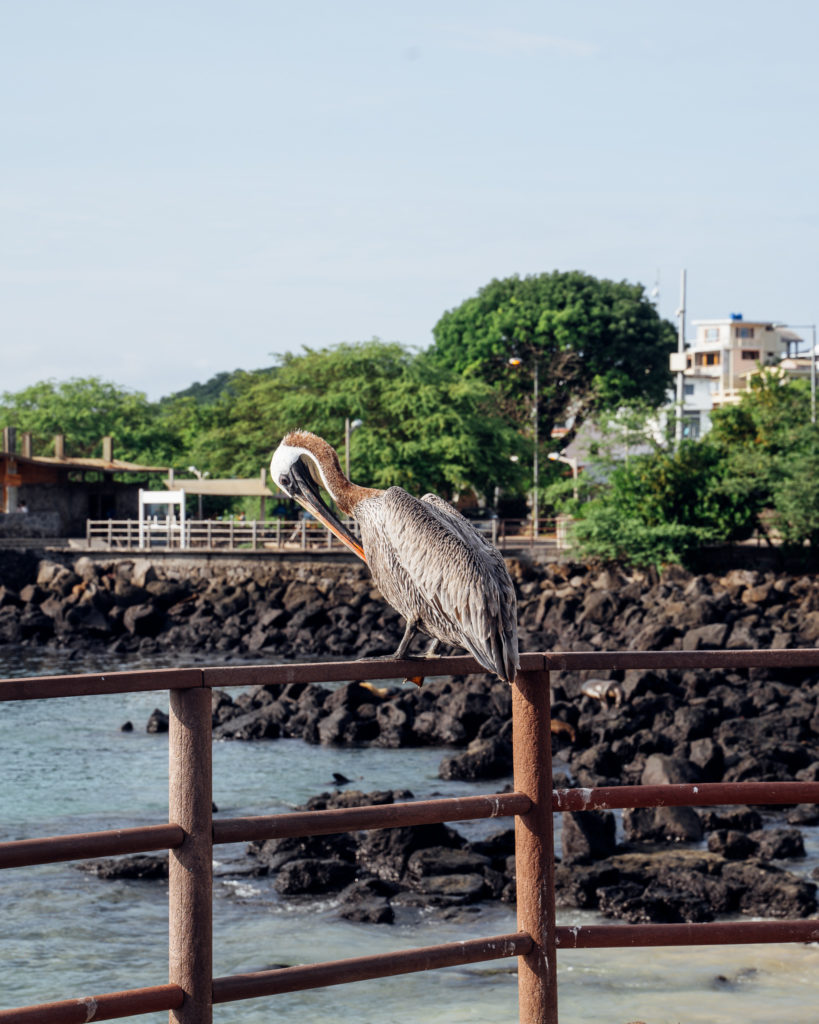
(680, 364)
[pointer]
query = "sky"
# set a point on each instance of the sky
(193, 187)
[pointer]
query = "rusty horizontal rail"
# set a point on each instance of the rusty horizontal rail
(42, 687)
(566, 661)
(553, 661)
(704, 794)
(354, 819)
(105, 1007)
(342, 671)
(147, 838)
(51, 849)
(711, 933)
(363, 968)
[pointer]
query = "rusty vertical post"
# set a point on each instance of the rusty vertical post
(534, 847)
(190, 876)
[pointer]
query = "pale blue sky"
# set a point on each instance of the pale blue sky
(188, 187)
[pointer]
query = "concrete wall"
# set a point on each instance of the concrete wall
(30, 524)
(74, 503)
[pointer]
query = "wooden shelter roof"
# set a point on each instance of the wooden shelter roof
(104, 465)
(225, 488)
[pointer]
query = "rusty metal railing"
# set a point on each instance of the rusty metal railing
(191, 833)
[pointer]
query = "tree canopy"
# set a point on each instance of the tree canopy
(597, 344)
(757, 468)
(422, 427)
(85, 409)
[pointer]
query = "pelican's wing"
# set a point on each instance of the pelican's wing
(457, 572)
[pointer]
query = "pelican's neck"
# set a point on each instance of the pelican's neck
(344, 492)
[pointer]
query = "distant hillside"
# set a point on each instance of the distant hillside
(212, 390)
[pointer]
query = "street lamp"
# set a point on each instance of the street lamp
(570, 461)
(349, 427)
(516, 361)
(199, 476)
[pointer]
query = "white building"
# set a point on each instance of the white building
(722, 357)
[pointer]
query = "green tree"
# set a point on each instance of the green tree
(662, 506)
(795, 497)
(597, 344)
(85, 409)
(423, 427)
(759, 464)
(769, 449)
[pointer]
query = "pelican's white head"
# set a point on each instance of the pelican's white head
(301, 464)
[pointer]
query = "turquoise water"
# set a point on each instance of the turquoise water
(67, 767)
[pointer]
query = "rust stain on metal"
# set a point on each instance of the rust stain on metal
(576, 660)
(383, 965)
(47, 687)
(354, 819)
(53, 849)
(704, 794)
(712, 933)
(103, 1007)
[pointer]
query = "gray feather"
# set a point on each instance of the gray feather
(437, 570)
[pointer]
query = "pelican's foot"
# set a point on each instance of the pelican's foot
(418, 680)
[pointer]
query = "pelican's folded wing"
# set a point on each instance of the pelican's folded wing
(457, 572)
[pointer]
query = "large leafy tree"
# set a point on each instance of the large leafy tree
(422, 427)
(85, 409)
(597, 344)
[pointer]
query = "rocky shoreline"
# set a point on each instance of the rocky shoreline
(624, 728)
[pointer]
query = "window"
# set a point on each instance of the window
(712, 333)
(744, 332)
(688, 389)
(751, 353)
(691, 427)
(710, 359)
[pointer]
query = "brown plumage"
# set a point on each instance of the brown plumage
(428, 561)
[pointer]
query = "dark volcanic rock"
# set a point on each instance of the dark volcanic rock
(732, 844)
(779, 843)
(143, 620)
(158, 721)
(385, 852)
(488, 758)
(312, 876)
(141, 866)
(367, 901)
(745, 819)
(766, 891)
(587, 835)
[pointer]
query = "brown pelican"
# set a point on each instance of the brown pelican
(427, 560)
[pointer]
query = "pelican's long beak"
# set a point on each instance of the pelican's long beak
(306, 492)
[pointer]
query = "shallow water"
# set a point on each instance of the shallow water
(67, 767)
